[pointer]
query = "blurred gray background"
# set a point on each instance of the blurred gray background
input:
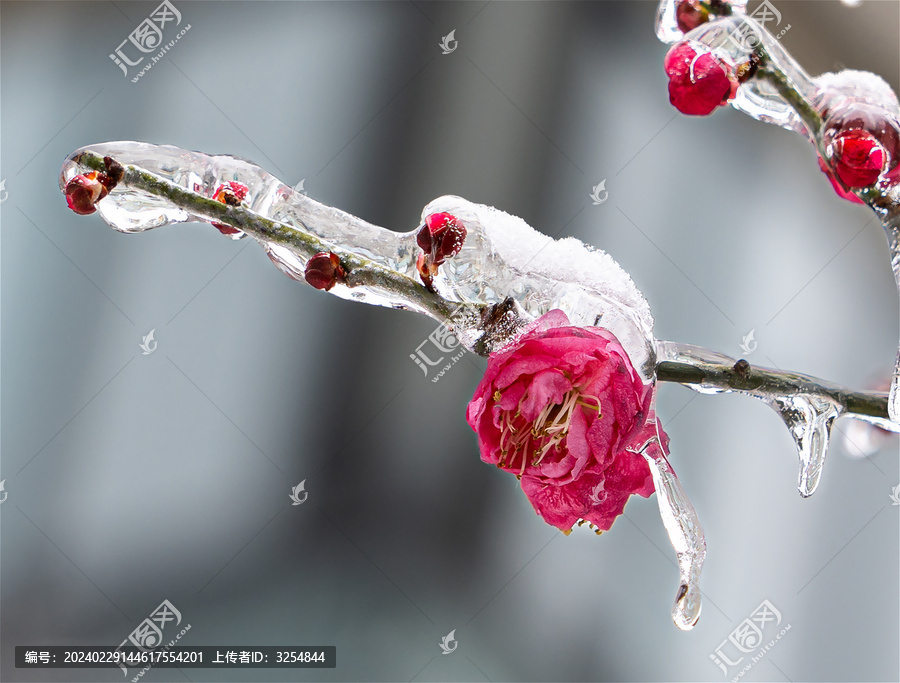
(136, 478)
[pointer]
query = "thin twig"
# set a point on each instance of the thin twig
(743, 377)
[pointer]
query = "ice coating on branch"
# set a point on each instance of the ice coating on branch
(132, 210)
(735, 39)
(738, 40)
(502, 256)
(809, 415)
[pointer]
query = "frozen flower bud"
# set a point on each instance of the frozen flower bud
(440, 238)
(231, 193)
(84, 191)
(699, 81)
(859, 159)
(114, 173)
(690, 14)
(442, 235)
(324, 270)
(862, 144)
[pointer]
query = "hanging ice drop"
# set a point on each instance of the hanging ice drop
(809, 418)
(685, 534)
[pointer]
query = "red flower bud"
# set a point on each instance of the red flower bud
(862, 145)
(690, 14)
(444, 233)
(324, 270)
(858, 158)
(698, 81)
(84, 191)
(231, 193)
(440, 238)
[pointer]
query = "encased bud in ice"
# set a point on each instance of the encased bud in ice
(440, 238)
(699, 81)
(231, 193)
(324, 270)
(862, 147)
(84, 191)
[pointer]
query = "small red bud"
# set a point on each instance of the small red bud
(447, 232)
(84, 191)
(862, 146)
(324, 270)
(441, 237)
(114, 173)
(690, 14)
(699, 82)
(858, 158)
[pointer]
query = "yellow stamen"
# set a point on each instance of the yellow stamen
(548, 430)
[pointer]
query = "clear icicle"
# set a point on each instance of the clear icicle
(809, 419)
(809, 415)
(685, 534)
(892, 228)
